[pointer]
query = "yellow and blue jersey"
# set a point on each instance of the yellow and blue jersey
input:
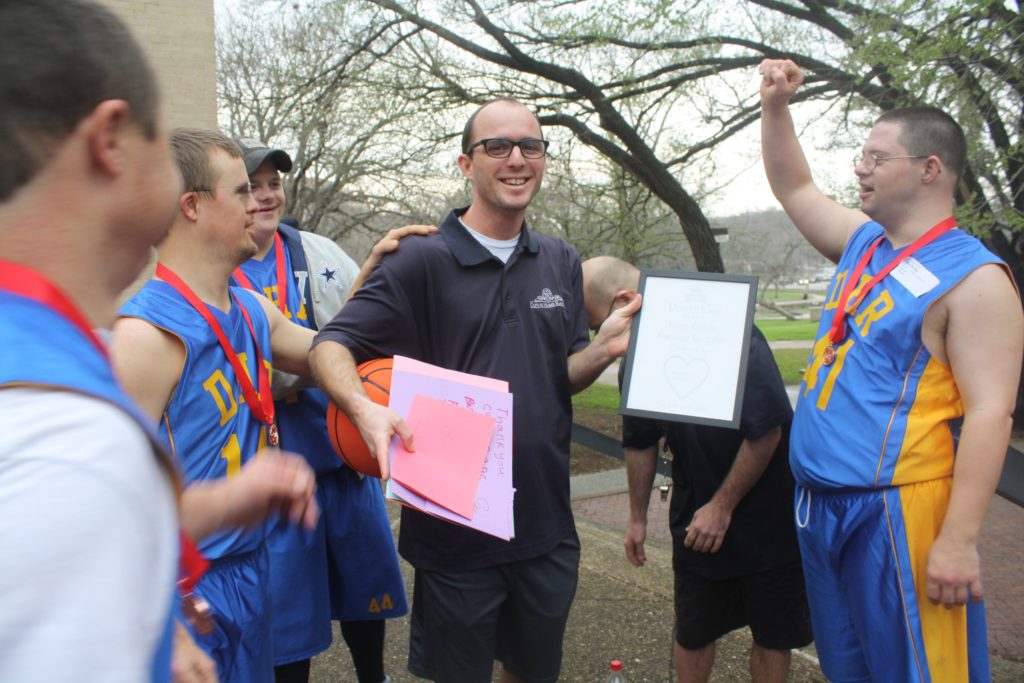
(872, 451)
(347, 568)
(879, 415)
(300, 415)
(207, 421)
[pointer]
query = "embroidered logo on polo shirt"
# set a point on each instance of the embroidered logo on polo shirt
(547, 300)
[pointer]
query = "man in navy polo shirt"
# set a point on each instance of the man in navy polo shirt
(488, 296)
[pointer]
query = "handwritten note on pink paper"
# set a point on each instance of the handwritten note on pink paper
(495, 494)
(451, 445)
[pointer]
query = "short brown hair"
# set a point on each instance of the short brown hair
(192, 148)
(467, 132)
(59, 59)
(929, 130)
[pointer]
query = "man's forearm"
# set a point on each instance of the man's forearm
(751, 461)
(641, 466)
(204, 508)
(785, 165)
(979, 463)
(587, 365)
(335, 372)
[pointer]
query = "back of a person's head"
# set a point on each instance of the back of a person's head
(59, 59)
(192, 148)
(605, 276)
(929, 130)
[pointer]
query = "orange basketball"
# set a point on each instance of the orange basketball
(347, 442)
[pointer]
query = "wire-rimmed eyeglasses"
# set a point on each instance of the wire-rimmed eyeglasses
(871, 159)
(501, 148)
(241, 191)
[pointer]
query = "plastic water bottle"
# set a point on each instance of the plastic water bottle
(615, 673)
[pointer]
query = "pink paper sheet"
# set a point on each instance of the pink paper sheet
(451, 444)
(495, 494)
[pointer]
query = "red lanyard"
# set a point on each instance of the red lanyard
(192, 565)
(282, 275)
(191, 568)
(23, 281)
(262, 404)
(838, 330)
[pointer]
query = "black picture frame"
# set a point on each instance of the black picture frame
(689, 347)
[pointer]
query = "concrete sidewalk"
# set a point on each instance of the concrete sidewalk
(625, 612)
(603, 497)
(619, 611)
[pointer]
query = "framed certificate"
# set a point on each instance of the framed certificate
(687, 358)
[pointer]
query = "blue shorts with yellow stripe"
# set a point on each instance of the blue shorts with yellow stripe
(236, 587)
(865, 555)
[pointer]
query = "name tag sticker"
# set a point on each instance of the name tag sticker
(916, 278)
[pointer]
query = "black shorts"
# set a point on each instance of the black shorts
(773, 603)
(515, 613)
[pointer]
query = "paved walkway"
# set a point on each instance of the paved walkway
(602, 497)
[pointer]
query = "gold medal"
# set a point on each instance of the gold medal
(828, 356)
(272, 434)
(198, 613)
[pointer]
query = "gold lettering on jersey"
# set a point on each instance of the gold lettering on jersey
(837, 289)
(221, 391)
(817, 362)
(271, 292)
(244, 360)
(877, 310)
(232, 454)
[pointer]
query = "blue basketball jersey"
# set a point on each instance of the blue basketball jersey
(301, 416)
(879, 415)
(58, 355)
(347, 569)
(207, 421)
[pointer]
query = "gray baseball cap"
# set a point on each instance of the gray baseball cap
(255, 153)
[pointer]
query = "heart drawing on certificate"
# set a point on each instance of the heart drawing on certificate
(685, 376)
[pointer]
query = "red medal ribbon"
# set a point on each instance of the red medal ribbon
(23, 281)
(261, 404)
(282, 276)
(838, 330)
(192, 565)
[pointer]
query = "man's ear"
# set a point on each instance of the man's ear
(106, 131)
(189, 205)
(623, 297)
(465, 165)
(932, 169)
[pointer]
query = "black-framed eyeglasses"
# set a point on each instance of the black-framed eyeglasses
(871, 160)
(501, 148)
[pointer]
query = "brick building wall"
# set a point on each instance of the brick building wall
(179, 37)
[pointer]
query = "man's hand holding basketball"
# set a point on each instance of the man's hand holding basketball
(377, 424)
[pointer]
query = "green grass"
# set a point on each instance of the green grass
(784, 294)
(598, 396)
(780, 329)
(791, 363)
